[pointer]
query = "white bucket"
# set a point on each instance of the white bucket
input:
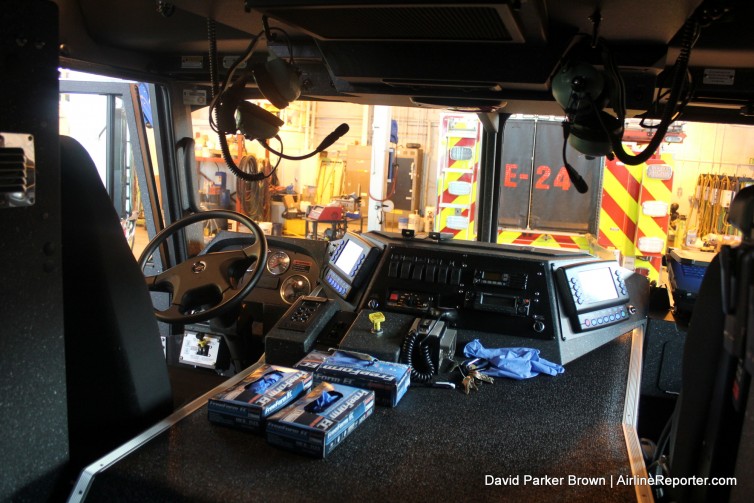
(266, 227)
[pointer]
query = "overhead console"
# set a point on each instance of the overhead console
(565, 303)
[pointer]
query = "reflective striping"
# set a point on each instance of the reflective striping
(450, 180)
(611, 236)
(652, 229)
(457, 190)
(620, 206)
(545, 240)
(649, 266)
(616, 225)
(623, 224)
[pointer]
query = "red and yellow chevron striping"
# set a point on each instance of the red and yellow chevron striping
(545, 240)
(621, 186)
(634, 214)
(457, 188)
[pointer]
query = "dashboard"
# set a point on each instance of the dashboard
(291, 269)
(562, 302)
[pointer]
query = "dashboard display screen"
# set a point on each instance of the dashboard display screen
(348, 257)
(598, 285)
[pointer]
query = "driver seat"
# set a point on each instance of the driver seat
(117, 377)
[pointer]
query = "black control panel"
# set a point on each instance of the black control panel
(302, 314)
(563, 303)
(501, 292)
(594, 294)
(297, 331)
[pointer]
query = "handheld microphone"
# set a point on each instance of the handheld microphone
(576, 179)
(333, 137)
(329, 140)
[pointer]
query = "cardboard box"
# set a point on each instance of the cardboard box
(302, 427)
(247, 404)
(388, 380)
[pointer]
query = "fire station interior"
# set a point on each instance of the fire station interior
(493, 250)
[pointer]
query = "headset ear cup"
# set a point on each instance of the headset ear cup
(588, 136)
(278, 81)
(256, 123)
(573, 82)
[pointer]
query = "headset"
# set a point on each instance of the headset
(278, 81)
(584, 91)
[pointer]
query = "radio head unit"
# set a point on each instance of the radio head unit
(350, 264)
(594, 294)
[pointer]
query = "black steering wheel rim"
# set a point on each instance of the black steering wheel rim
(258, 251)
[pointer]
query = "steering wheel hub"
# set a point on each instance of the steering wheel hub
(190, 281)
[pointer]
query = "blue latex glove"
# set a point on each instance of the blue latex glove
(324, 400)
(263, 383)
(516, 363)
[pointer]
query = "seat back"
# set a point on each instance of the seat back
(705, 435)
(701, 358)
(117, 379)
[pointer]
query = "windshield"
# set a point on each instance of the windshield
(419, 169)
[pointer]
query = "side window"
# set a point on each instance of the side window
(94, 111)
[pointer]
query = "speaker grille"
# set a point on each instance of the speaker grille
(17, 174)
(448, 23)
(12, 170)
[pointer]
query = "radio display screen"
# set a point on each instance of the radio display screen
(492, 275)
(349, 257)
(498, 300)
(598, 285)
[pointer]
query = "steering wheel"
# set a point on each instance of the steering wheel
(209, 282)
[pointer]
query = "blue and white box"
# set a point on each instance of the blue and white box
(320, 421)
(388, 380)
(266, 390)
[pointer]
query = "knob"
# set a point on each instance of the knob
(631, 309)
(373, 304)
(539, 326)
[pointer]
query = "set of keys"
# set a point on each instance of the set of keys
(470, 381)
(472, 377)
